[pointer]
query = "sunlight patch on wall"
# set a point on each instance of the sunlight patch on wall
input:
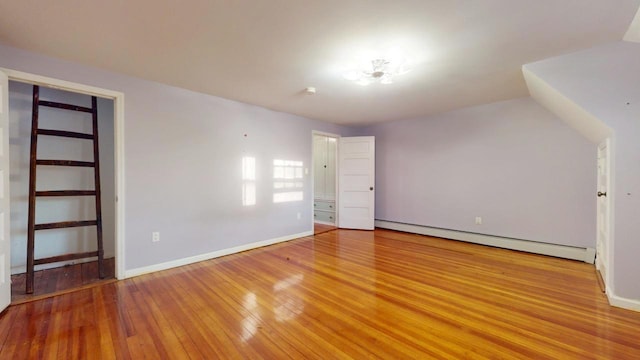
(248, 181)
(288, 181)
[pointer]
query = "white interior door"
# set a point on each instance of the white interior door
(5, 254)
(356, 182)
(602, 245)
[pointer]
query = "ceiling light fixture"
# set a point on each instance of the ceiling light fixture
(380, 71)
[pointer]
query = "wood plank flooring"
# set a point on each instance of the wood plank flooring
(321, 228)
(60, 280)
(342, 294)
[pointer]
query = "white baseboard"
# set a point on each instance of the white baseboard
(22, 268)
(324, 223)
(629, 304)
(587, 255)
(211, 255)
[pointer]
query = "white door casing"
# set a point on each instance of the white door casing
(603, 211)
(356, 185)
(5, 254)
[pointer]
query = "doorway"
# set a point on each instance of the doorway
(63, 276)
(603, 239)
(325, 182)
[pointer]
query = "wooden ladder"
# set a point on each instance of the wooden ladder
(33, 193)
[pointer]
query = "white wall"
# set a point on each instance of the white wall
(513, 163)
(59, 241)
(183, 164)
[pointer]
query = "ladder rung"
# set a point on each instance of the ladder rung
(58, 105)
(66, 193)
(69, 134)
(66, 257)
(65, 163)
(65, 224)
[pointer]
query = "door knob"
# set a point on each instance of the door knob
(602, 193)
(371, 188)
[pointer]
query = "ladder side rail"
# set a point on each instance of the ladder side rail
(96, 172)
(32, 190)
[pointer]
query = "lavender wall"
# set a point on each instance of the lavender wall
(183, 164)
(605, 81)
(527, 174)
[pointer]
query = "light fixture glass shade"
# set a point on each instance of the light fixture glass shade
(380, 71)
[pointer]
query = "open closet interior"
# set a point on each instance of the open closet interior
(57, 241)
(324, 174)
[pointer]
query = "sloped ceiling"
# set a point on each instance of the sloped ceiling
(588, 125)
(265, 52)
(633, 34)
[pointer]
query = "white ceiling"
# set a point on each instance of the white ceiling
(464, 52)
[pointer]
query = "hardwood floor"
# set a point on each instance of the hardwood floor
(322, 228)
(60, 280)
(338, 295)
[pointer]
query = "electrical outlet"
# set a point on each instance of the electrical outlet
(155, 236)
(478, 220)
(299, 216)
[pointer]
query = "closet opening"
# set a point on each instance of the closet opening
(70, 192)
(325, 180)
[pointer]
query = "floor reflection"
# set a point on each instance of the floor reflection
(251, 315)
(287, 304)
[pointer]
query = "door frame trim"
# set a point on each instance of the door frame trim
(118, 123)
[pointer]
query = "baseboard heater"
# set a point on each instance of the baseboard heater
(587, 255)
